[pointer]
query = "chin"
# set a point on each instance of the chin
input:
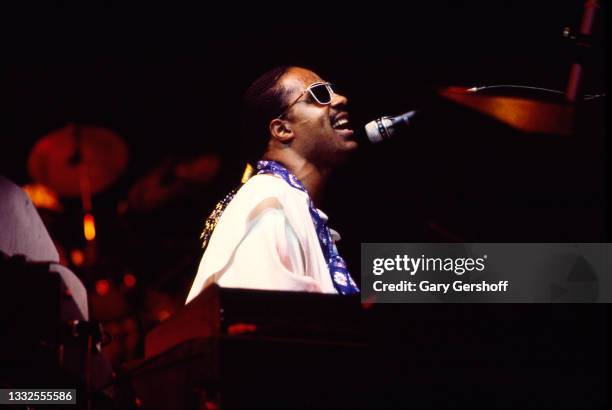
(343, 156)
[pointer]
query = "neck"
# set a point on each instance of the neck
(313, 178)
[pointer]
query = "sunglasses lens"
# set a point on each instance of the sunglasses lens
(321, 93)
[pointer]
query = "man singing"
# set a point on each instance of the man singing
(269, 233)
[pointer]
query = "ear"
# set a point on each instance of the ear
(281, 131)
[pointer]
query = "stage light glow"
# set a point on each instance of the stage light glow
(240, 328)
(163, 315)
(89, 227)
(43, 197)
(248, 173)
(129, 280)
(77, 257)
(102, 287)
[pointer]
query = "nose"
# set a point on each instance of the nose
(339, 100)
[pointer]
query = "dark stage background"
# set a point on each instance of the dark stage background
(170, 86)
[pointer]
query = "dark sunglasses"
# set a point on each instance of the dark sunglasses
(322, 93)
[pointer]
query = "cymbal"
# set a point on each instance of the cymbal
(524, 114)
(62, 158)
(171, 179)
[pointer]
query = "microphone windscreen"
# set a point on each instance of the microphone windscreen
(371, 129)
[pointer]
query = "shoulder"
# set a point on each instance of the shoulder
(266, 184)
(263, 187)
(264, 196)
(260, 194)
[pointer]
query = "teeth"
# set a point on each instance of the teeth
(340, 123)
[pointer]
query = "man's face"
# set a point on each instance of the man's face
(322, 132)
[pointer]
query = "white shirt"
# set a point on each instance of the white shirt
(265, 239)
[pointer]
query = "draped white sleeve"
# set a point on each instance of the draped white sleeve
(265, 239)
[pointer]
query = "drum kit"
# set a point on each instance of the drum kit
(80, 161)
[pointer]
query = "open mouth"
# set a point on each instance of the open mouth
(341, 122)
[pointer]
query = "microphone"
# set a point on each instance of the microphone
(383, 128)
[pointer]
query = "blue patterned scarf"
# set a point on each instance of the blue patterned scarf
(343, 282)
